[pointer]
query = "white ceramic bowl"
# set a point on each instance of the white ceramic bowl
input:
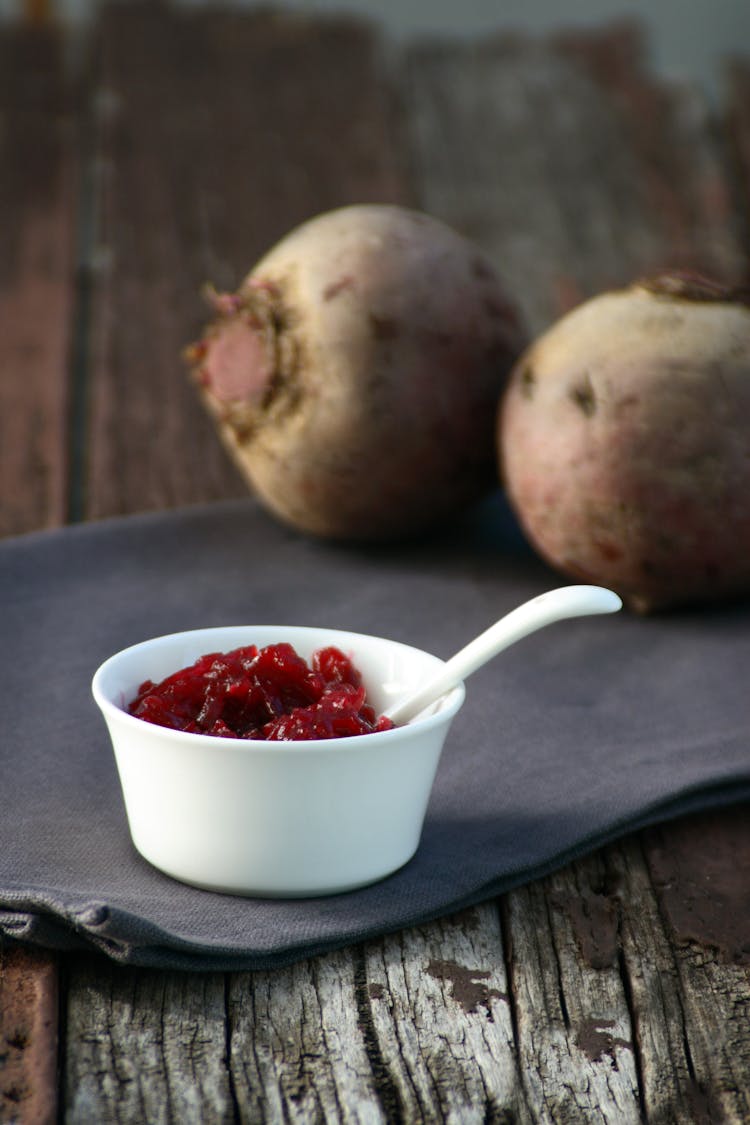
(275, 819)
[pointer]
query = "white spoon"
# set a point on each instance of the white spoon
(555, 605)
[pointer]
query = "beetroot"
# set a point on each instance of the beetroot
(355, 373)
(624, 439)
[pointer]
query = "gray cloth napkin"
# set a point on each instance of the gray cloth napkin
(579, 734)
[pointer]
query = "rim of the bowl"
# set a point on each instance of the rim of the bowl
(454, 699)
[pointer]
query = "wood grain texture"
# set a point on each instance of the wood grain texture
(214, 134)
(647, 964)
(37, 275)
(441, 1021)
(28, 1037)
(699, 868)
(38, 175)
(660, 1019)
(737, 125)
(682, 186)
(297, 1049)
(414, 1027)
(143, 1046)
(568, 163)
(579, 1061)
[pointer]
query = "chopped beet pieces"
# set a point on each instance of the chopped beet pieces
(269, 693)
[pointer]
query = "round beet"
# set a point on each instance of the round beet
(355, 373)
(624, 437)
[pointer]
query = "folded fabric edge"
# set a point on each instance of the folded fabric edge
(41, 925)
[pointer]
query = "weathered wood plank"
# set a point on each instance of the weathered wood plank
(37, 273)
(648, 971)
(602, 948)
(576, 1045)
(415, 1027)
(738, 128)
(700, 867)
(28, 1037)
(38, 174)
(216, 134)
(145, 1046)
(572, 168)
(441, 1022)
(297, 1049)
(682, 185)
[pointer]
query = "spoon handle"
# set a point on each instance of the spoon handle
(554, 605)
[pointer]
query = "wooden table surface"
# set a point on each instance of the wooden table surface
(160, 151)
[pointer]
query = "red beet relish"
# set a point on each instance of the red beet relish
(268, 693)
